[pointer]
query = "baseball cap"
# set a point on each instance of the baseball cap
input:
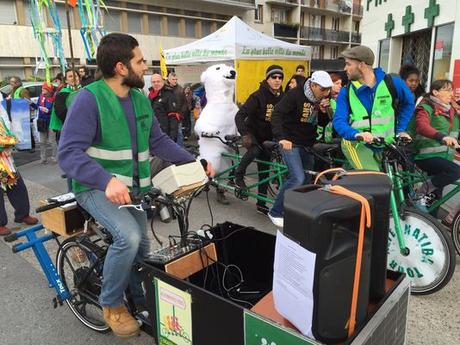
(360, 53)
(321, 78)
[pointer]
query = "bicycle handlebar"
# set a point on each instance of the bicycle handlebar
(52, 205)
(230, 139)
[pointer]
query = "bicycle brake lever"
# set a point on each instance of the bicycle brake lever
(136, 207)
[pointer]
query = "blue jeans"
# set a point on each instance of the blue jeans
(130, 245)
(298, 160)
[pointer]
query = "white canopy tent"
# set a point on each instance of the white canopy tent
(250, 52)
(236, 40)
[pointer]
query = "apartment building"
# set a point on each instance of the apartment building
(328, 26)
(155, 23)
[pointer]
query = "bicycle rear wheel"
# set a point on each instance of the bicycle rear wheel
(456, 232)
(81, 274)
(430, 261)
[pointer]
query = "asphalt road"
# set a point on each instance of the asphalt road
(27, 315)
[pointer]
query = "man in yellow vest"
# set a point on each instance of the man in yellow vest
(373, 104)
(105, 143)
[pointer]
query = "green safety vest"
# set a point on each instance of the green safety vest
(430, 148)
(114, 151)
(325, 133)
(17, 92)
(381, 122)
(55, 122)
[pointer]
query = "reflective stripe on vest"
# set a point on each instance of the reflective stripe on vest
(381, 121)
(99, 153)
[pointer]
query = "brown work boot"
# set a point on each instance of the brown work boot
(121, 321)
(4, 231)
(29, 220)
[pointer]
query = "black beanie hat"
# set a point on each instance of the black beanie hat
(274, 69)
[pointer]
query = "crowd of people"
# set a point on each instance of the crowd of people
(355, 108)
(106, 157)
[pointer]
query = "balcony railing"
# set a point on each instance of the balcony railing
(283, 2)
(283, 30)
(339, 6)
(319, 34)
(235, 2)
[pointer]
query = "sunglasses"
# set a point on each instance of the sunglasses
(276, 77)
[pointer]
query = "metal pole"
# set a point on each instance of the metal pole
(69, 32)
(351, 24)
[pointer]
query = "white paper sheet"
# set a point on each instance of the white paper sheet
(294, 270)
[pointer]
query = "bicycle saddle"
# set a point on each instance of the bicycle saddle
(270, 145)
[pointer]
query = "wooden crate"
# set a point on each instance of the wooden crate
(64, 221)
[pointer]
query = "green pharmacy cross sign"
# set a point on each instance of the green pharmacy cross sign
(431, 12)
(408, 19)
(389, 25)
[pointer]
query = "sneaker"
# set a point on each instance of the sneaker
(53, 160)
(29, 220)
(122, 323)
(4, 231)
(43, 161)
(262, 209)
(278, 221)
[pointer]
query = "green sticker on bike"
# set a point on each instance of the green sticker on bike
(174, 315)
(258, 331)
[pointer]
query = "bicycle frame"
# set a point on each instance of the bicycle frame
(275, 170)
(36, 243)
(396, 200)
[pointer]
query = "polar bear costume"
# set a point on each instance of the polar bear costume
(218, 116)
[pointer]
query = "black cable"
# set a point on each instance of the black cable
(154, 234)
(232, 233)
(209, 207)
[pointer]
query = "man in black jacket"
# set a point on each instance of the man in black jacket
(165, 106)
(253, 122)
(294, 124)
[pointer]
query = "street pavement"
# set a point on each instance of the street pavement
(26, 312)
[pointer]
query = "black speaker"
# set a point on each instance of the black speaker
(327, 224)
(379, 187)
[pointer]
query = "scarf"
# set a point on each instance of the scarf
(445, 108)
(309, 93)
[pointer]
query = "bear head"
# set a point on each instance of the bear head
(219, 82)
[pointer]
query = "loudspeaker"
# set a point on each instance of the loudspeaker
(327, 224)
(379, 187)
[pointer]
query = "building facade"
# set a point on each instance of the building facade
(155, 24)
(328, 26)
(419, 32)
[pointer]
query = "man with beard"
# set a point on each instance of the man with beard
(104, 148)
(253, 122)
(373, 104)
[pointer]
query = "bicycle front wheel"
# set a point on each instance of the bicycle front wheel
(429, 258)
(81, 273)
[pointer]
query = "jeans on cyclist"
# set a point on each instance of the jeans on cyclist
(298, 160)
(130, 245)
(443, 172)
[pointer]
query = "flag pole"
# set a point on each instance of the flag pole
(69, 32)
